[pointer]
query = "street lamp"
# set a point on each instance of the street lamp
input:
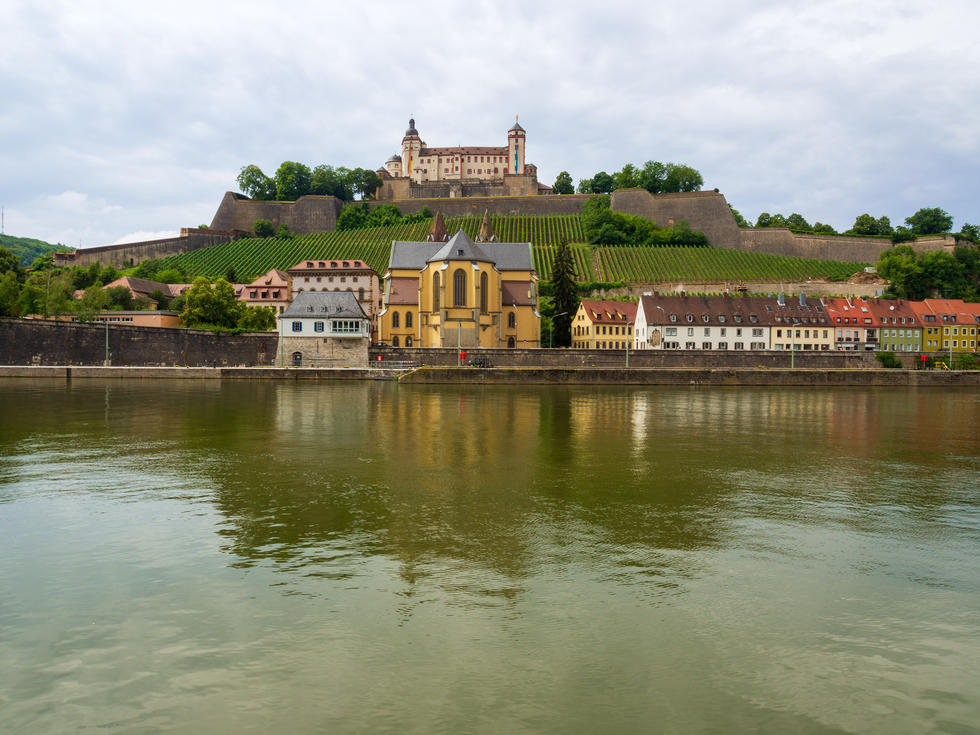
(551, 335)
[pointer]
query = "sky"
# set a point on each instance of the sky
(123, 121)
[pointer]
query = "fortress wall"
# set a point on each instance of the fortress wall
(307, 214)
(475, 206)
(706, 211)
(134, 253)
(781, 241)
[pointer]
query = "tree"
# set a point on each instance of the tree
(230, 275)
(257, 319)
(43, 262)
(207, 306)
(682, 178)
(9, 261)
(352, 217)
(328, 181)
(739, 219)
(822, 229)
(970, 232)
(282, 232)
(602, 183)
(777, 220)
(865, 224)
(584, 186)
(255, 184)
(652, 176)
(119, 298)
(796, 221)
(764, 220)
(263, 228)
(92, 302)
(170, 275)
(364, 182)
(627, 178)
(9, 294)
(293, 180)
(565, 295)
(932, 221)
(563, 184)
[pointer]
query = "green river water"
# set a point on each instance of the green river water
(255, 556)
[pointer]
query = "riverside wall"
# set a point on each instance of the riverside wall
(37, 342)
(692, 377)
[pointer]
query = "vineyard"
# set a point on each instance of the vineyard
(252, 257)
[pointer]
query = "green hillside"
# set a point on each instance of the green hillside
(254, 256)
(27, 248)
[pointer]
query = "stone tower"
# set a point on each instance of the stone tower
(515, 149)
(411, 145)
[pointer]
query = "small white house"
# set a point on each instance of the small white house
(324, 329)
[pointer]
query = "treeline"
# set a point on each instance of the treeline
(916, 276)
(926, 221)
(602, 226)
(360, 216)
(654, 176)
(293, 180)
(27, 249)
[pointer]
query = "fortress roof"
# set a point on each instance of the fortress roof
(465, 150)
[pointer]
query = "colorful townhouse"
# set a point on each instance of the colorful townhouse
(855, 328)
(959, 322)
(270, 289)
(682, 322)
(899, 329)
(340, 275)
(603, 325)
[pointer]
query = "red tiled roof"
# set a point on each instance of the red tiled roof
(468, 150)
(515, 293)
(328, 264)
(404, 291)
(610, 312)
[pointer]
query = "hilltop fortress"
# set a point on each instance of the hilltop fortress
(469, 180)
(421, 172)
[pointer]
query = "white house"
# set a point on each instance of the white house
(324, 329)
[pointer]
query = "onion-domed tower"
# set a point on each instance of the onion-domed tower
(411, 145)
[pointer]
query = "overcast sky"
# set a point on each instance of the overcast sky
(123, 120)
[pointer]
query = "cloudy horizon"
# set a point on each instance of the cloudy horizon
(122, 121)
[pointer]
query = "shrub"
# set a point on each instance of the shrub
(888, 360)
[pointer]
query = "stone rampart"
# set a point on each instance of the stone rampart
(502, 205)
(307, 214)
(36, 342)
(133, 253)
(780, 241)
(705, 211)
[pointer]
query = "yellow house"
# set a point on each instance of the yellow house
(451, 292)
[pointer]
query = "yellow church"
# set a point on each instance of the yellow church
(454, 292)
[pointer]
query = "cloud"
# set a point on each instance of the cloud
(125, 118)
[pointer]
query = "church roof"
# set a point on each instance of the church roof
(460, 247)
(507, 256)
(324, 304)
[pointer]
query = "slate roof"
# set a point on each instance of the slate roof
(507, 256)
(323, 304)
(460, 247)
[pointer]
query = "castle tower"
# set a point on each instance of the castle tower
(411, 145)
(515, 149)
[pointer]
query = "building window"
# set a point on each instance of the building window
(408, 341)
(297, 326)
(484, 287)
(459, 287)
(435, 291)
(317, 326)
(511, 320)
(360, 294)
(395, 320)
(345, 326)
(511, 343)
(408, 320)
(394, 341)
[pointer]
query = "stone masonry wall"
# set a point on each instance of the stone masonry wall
(134, 253)
(307, 214)
(475, 206)
(706, 211)
(637, 359)
(35, 342)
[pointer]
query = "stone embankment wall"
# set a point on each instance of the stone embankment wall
(307, 214)
(35, 342)
(706, 211)
(134, 253)
(637, 359)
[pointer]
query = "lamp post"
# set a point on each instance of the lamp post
(551, 335)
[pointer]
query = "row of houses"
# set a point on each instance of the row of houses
(682, 322)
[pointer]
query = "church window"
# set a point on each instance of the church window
(435, 292)
(459, 287)
(408, 319)
(511, 343)
(394, 341)
(408, 341)
(395, 321)
(484, 287)
(511, 320)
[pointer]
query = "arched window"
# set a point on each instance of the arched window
(511, 320)
(484, 287)
(297, 359)
(395, 322)
(435, 291)
(459, 287)
(408, 320)
(511, 342)
(394, 341)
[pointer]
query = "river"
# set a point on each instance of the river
(255, 556)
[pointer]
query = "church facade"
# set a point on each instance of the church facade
(421, 171)
(454, 292)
